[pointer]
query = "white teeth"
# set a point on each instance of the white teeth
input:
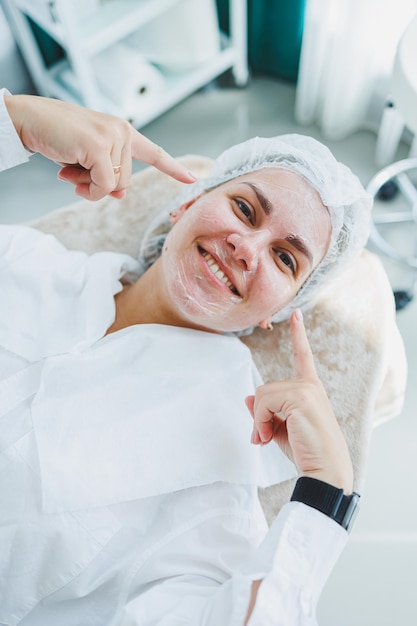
(216, 270)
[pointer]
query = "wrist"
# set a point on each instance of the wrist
(328, 499)
(12, 107)
(17, 108)
(341, 480)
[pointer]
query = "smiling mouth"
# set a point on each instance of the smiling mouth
(218, 273)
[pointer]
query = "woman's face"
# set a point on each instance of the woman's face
(240, 253)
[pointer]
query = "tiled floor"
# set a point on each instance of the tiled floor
(375, 579)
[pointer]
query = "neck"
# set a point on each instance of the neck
(143, 302)
(135, 304)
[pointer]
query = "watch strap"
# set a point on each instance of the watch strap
(327, 499)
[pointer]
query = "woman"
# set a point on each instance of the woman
(130, 465)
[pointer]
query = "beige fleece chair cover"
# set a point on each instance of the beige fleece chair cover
(352, 329)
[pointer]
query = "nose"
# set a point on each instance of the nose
(246, 248)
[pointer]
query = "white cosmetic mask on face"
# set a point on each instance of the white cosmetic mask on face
(227, 263)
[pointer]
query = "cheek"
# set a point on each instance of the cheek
(203, 219)
(212, 212)
(274, 292)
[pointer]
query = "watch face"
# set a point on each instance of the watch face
(351, 511)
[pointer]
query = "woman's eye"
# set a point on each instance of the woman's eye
(245, 209)
(287, 260)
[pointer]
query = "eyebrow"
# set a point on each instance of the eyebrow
(267, 208)
(262, 199)
(300, 245)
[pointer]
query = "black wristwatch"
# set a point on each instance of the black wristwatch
(328, 499)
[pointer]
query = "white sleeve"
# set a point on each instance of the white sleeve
(305, 545)
(294, 560)
(57, 300)
(12, 151)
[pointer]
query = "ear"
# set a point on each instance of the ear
(266, 324)
(176, 215)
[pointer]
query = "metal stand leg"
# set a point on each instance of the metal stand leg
(389, 135)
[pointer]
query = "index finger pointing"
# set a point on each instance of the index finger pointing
(303, 357)
(143, 149)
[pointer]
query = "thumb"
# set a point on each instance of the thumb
(250, 402)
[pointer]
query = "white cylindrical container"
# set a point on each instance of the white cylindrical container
(127, 78)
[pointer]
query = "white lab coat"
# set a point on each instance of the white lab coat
(127, 480)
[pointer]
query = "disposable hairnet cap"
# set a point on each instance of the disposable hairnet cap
(347, 201)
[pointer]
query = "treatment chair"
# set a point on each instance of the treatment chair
(352, 330)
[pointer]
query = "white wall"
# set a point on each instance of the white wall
(13, 73)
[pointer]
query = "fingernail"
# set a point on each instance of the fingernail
(298, 315)
(193, 176)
